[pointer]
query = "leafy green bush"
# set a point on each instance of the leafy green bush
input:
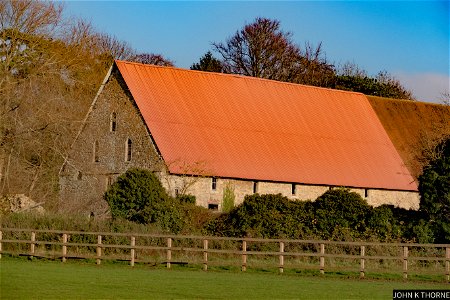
(266, 216)
(434, 189)
(186, 198)
(384, 224)
(337, 214)
(257, 216)
(138, 196)
(339, 209)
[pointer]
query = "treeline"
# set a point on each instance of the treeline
(262, 49)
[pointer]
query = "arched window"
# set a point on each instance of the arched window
(128, 150)
(113, 126)
(96, 157)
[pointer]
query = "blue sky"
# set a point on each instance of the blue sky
(409, 39)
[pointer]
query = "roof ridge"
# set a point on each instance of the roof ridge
(238, 76)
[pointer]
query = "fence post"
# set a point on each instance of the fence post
(1, 238)
(205, 255)
(244, 256)
(64, 247)
(363, 262)
(99, 249)
(281, 268)
(322, 259)
(405, 262)
(169, 252)
(133, 243)
(32, 245)
(447, 262)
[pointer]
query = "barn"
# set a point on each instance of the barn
(203, 133)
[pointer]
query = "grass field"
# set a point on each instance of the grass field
(24, 279)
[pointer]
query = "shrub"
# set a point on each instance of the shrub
(266, 216)
(228, 197)
(195, 217)
(340, 208)
(434, 189)
(384, 224)
(257, 216)
(186, 198)
(138, 196)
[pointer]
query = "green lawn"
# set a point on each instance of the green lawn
(23, 279)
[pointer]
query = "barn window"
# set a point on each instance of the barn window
(113, 126)
(96, 157)
(255, 187)
(214, 183)
(108, 182)
(294, 189)
(366, 193)
(79, 175)
(128, 150)
(213, 206)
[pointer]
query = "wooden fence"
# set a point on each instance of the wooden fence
(402, 258)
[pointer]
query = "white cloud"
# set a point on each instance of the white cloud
(426, 87)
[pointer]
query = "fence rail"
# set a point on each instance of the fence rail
(403, 258)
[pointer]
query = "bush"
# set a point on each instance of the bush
(434, 189)
(384, 224)
(228, 198)
(257, 216)
(138, 196)
(266, 216)
(339, 209)
(186, 199)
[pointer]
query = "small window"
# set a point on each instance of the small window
(212, 206)
(294, 189)
(214, 184)
(177, 192)
(330, 188)
(108, 182)
(96, 157)
(79, 175)
(113, 122)
(255, 187)
(128, 150)
(366, 193)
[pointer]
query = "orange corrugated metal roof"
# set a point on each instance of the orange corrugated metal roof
(250, 128)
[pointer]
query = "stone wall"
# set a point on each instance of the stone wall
(84, 180)
(201, 187)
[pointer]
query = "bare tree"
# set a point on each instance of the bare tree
(445, 98)
(261, 49)
(190, 174)
(116, 48)
(314, 68)
(47, 79)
